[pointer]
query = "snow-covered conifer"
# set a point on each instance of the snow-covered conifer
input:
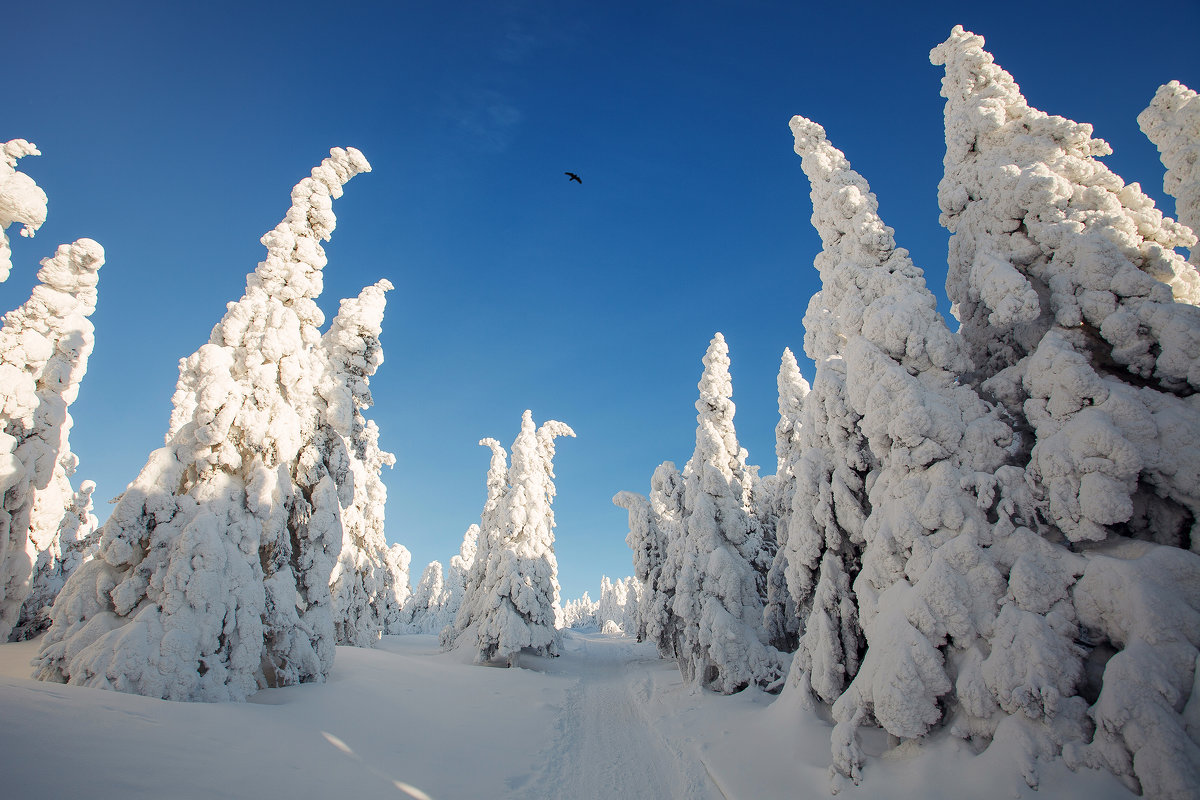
(423, 611)
(212, 576)
(515, 604)
(720, 586)
(655, 536)
(929, 585)
(367, 585)
(456, 578)
(781, 616)
(522, 574)
(74, 543)
(1172, 122)
(581, 612)
(491, 532)
(44, 349)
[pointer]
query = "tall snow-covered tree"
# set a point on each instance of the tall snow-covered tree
(781, 616)
(368, 585)
(212, 577)
(1172, 122)
(1083, 321)
(927, 590)
(491, 532)
(655, 535)
(44, 349)
(515, 606)
(720, 587)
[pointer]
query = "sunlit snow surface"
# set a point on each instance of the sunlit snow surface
(607, 719)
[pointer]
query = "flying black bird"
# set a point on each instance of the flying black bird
(571, 176)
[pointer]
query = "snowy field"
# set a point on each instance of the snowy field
(607, 719)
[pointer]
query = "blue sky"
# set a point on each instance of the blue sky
(172, 134)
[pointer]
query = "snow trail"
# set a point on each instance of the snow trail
(605, 744)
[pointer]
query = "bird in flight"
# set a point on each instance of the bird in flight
(571, 176)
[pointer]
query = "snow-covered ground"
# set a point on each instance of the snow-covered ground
(606, 719)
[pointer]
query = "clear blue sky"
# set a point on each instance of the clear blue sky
(172, 134)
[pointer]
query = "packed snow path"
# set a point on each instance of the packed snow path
(605, 745)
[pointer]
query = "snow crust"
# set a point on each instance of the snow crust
(212, 578)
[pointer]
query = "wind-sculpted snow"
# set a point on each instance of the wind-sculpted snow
(1172, 122)
(21, 200)
(44, 349)
(512, 601)
(213, 571)
(721, 580)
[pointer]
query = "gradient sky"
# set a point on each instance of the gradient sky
(172, 133)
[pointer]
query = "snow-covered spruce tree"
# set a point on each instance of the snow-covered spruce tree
(1101, 362)
(212, 577)
(44, 349)
(829, 506)
(423, 612)
(1172, 122)
(655, 535)
(491, 533)
(74, 543)
(928, 589)
(368, 586)
(719, 593)
(515, 606)
(618, 604)
(456, 580)
(581, 613)
(780, 616)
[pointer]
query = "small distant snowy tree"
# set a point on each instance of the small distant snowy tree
(617, 608)
(720, 586)
(781, 616)
(213, 571)
(581, 613)
(456, 578)
(44, 349)
(423, 612)
(1172, 122)
(515, 606)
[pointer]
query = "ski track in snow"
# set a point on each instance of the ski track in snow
(604, 743)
